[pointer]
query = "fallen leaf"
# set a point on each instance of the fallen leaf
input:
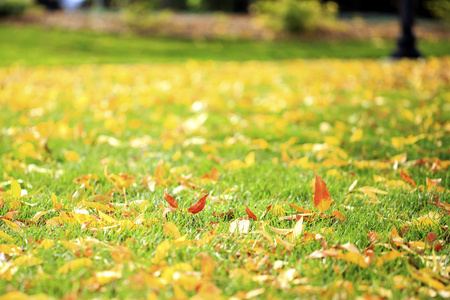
(298, 228)
(161, 251)
(171, 229)
(388, 256)
(239, 226)
(250, 159)
(171, 200)
(250, 214)
(198, 206)
(408, 179)
(74, 264)
(207, 264)
(322, 197)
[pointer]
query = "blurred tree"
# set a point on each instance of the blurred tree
(174, 4)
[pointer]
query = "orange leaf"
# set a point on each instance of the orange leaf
(198, 206)
(322, 197)
(250, 214)
(171, 200)
(338, 215)
(408, 179)
(214, 174)
(207, 264)
(300, 209)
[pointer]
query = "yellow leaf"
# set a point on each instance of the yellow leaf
(234, 164)
(377, 178)
(277, 210)
(53, 222)
(176, 156)
(16, 190)
(10, 249)
(207, 264)
(159, 173)
(5, 236)
(161, 251)
(14, 296)
(82, 218)
(105, 277)
(171, 229)
(46, 244)
(355, 258)
(120, 254)
(106, 218)
(388, 256)
(286, 244)
(369, 189)
(356, 136)
(71, 156)
(179, 293)
(74, 264)
(426, 276)
(28, 261)
(12, 225)
(298, 228)
(98, 206)
(400, 158)
(38, 215)
(428, 220)
(250, 159)
(56, 205)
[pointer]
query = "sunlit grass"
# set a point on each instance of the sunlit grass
(128, 132)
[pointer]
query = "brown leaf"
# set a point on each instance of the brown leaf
(198, 206)
(250, 214)
(171, 200)
(408, 179)
(322, 197)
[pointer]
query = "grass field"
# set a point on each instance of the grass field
(88, 151)
(32, 46)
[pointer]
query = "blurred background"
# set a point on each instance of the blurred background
(129, 31)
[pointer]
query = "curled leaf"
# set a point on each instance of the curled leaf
(198, 206)
(408, 179)
(250, 214)
(171, 200)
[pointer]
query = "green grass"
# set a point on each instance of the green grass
(187, 118)
(38, 46)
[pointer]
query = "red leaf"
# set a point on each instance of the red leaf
(250, 214)
(408, 179)
(322, 197)
(198, 206)
(431, 237)
(171, 200)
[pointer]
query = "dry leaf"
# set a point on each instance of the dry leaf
(198, 206)
(322, 197)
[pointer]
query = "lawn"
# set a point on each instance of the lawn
(34, 46)
(254, 180)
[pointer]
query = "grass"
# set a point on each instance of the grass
(36, 46)
(129, 131)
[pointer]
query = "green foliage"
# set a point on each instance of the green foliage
(439, 9)
(13, 7)
(145, 15)
(295, 15)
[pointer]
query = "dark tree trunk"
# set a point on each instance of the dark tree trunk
(406, 44)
